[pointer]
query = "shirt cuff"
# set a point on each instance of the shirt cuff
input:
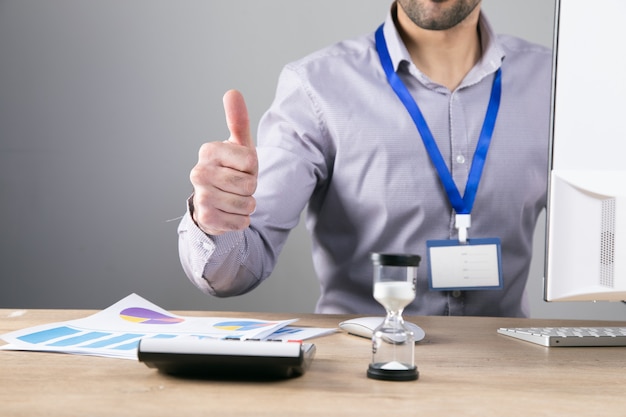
(217, 245)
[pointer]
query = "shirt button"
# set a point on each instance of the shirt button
(460, 159)
(456, 293)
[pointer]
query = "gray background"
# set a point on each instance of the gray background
(103, 106)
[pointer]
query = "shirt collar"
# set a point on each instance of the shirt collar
(490, 61)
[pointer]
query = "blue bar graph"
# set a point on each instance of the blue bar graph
(45, 335)
(65, 336)
(81, 338)
(113, 340)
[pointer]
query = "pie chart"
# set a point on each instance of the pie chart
(147, 316)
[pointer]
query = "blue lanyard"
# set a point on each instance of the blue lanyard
(461, 205)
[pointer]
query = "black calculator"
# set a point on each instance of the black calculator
(205, 357)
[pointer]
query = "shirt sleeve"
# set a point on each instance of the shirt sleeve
(214, 264)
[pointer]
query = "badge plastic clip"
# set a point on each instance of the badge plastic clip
(462, 223)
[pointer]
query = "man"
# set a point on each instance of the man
(375, 137)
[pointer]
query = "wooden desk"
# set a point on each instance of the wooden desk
(466, 369)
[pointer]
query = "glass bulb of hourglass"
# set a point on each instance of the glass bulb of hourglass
(394, 296)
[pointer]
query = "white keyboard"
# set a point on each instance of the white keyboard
(568, 336)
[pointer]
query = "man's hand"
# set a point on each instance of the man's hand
(225, 176)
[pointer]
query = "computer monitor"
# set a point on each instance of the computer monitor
(586, 216)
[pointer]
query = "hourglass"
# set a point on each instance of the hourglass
(393, 344)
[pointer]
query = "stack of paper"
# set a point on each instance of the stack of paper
(116, 331)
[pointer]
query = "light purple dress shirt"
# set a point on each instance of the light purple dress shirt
(338, 142)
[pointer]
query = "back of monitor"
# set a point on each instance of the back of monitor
(586, 232)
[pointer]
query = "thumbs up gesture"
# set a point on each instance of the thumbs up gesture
(225, 176)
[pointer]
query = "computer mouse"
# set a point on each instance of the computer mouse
(364, 327)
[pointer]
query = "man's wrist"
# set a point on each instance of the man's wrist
(190, 210)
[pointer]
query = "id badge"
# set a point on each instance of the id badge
(475, 265)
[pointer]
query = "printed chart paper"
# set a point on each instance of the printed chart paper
(117, 330)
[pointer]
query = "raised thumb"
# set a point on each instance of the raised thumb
(237, 118)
